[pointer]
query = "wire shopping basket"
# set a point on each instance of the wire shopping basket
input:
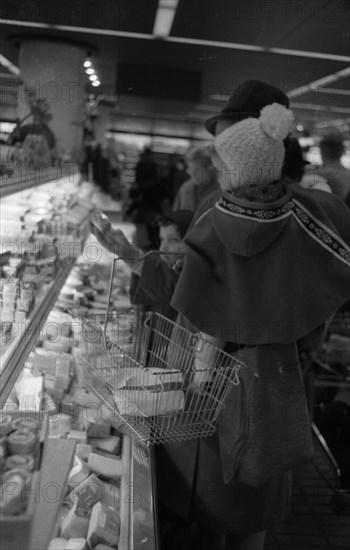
(163, 382)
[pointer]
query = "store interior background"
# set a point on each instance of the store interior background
(164, 67)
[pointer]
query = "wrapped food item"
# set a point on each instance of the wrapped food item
(76, 544)
(110, 444)
(26, 423)
(5, 424)
(104, 527)
(13, 494)
(76, 523)
(79, 471)
(148, 403)
(107, 466)
(150, 378)
(58, 543)
(88, 492)
(30, 392)
(21, 442)
(22, 462)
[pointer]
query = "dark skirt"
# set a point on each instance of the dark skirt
(190, 484)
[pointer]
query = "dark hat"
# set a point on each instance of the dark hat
(180, 218)
(247, 101)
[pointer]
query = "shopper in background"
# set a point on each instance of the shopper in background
(153, 286)
(145, 200)
(336, 175)
(154, 275)
(243, 285)
(180, 175)
(202, 182)
(294, 170)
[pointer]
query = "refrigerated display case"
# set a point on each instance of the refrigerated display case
(56, 456)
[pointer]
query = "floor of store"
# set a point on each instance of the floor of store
(313, 523)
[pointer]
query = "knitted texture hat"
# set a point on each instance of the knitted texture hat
(247, 101)
(252, 150)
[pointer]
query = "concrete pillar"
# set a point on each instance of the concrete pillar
(55, 71)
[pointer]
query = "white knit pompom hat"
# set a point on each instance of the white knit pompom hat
(252, 150)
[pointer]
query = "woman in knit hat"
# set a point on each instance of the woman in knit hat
(264, 269)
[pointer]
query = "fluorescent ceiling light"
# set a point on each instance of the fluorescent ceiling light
(87, 63)
(93, 77)
(164, 17)
(7, 63)
(96, 83)
(90, 71)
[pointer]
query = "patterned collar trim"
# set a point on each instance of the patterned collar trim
(255, 212)
(314, 228)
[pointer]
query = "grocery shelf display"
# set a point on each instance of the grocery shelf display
(42, 378)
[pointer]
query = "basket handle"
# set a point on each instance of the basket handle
(110, 287)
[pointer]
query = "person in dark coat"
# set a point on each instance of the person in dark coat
(264, 269)
(153, 286)
(145, 200)
(154, 274)
(337, 176)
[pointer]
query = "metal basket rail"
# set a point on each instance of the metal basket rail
(162, 381)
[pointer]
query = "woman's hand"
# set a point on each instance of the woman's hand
(116, 242)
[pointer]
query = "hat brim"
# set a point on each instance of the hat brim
(210, 123)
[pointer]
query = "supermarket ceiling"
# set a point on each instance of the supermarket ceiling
(301, 45)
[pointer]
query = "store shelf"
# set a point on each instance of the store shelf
(143, 525)
(20, 346)
(28, 179)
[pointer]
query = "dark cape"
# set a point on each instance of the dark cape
(260, 273)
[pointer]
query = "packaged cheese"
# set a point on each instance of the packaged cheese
(148, 403)
(58, 543)
(104, 527)
(76, 544)
(94, 423)
(110, 444)
(30, 392)
(88, 492)
(76, 523)
(109, 467)
(79, 471)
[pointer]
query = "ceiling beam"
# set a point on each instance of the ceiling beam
(316, 84)
(181, 40)
(334, 91)
(316, 107)
(9, 65)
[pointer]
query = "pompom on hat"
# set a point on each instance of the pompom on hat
(247, 101)
(252, 150)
